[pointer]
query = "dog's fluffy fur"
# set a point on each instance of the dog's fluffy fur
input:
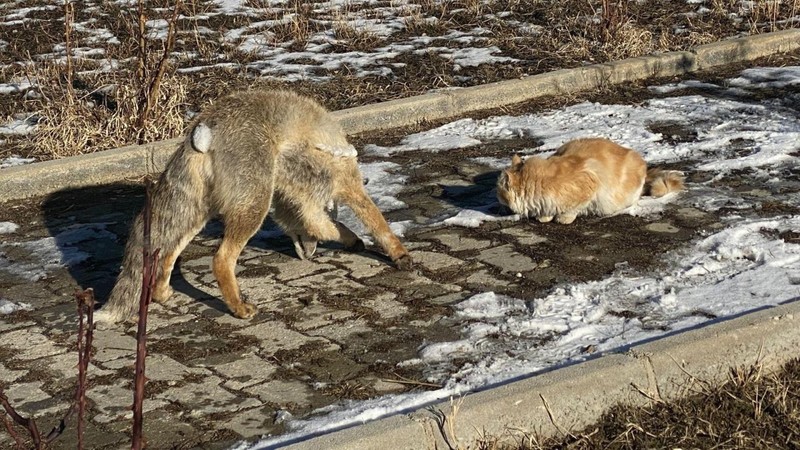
(584, 176)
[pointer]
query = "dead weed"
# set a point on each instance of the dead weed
(750, 408)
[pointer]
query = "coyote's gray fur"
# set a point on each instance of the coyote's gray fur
(245, 153)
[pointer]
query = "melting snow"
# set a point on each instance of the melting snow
(34, 260)
(743, 267)
(8, 227)
(8, 307)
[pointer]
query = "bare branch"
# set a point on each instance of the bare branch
(85, 301)
(69, 19)
(27, 423)
(10, 428)
(150, 270)
(150, 80)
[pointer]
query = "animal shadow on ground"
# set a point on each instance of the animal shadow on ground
(480, 196)
(90, 226)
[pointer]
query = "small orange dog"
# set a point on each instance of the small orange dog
(584, 176)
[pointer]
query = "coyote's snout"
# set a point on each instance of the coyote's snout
(245, 153)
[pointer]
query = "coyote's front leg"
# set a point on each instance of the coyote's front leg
(355, 196)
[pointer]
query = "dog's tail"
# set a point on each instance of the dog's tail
(661, 182)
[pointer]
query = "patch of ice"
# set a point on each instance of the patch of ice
(672, 87)
(15, 88)
(8, 227)
(19, 127)
(473, 218)
(34, 260)
(8, 307)
(767, 77)
(15, 160)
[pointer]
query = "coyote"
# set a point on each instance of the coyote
(245, 153)
(584, 176)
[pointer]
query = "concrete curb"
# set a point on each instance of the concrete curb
(137, 161)
(577, 395)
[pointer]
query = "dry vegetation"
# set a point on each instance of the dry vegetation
(750, 409)
(89, 102)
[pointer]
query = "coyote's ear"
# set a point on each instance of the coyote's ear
(516, 161)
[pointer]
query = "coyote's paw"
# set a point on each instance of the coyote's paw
(162, 295)
(565, 219)
(105, 317)
(103, 320)
(357, 246)
(404, 262)
(304, 246)
(245, 311)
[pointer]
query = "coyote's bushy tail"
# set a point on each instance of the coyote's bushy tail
(123, 302)
(178, 208)
(661, 182)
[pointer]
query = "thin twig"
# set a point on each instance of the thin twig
(656, 399)
(150, 81)
(30, 424)
(691, 376)
(552, 418)
(409, 381)
(11, 432)
(148, 283)
(69, 18)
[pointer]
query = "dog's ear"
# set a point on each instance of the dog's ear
(516, 161)
(508, 178)
(502, 180)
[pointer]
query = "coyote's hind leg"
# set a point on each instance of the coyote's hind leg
(162, 291)
(241, 223)
(310, 223)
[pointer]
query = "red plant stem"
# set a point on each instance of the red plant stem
(85, 300)
(30, 424)
(148, 282)
(85, 304)
(81, 373)
(11, 432)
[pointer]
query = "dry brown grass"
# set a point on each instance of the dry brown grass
(296, 28)
(748, 409)
(102, 115)
(354, 38)
(561, 34)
